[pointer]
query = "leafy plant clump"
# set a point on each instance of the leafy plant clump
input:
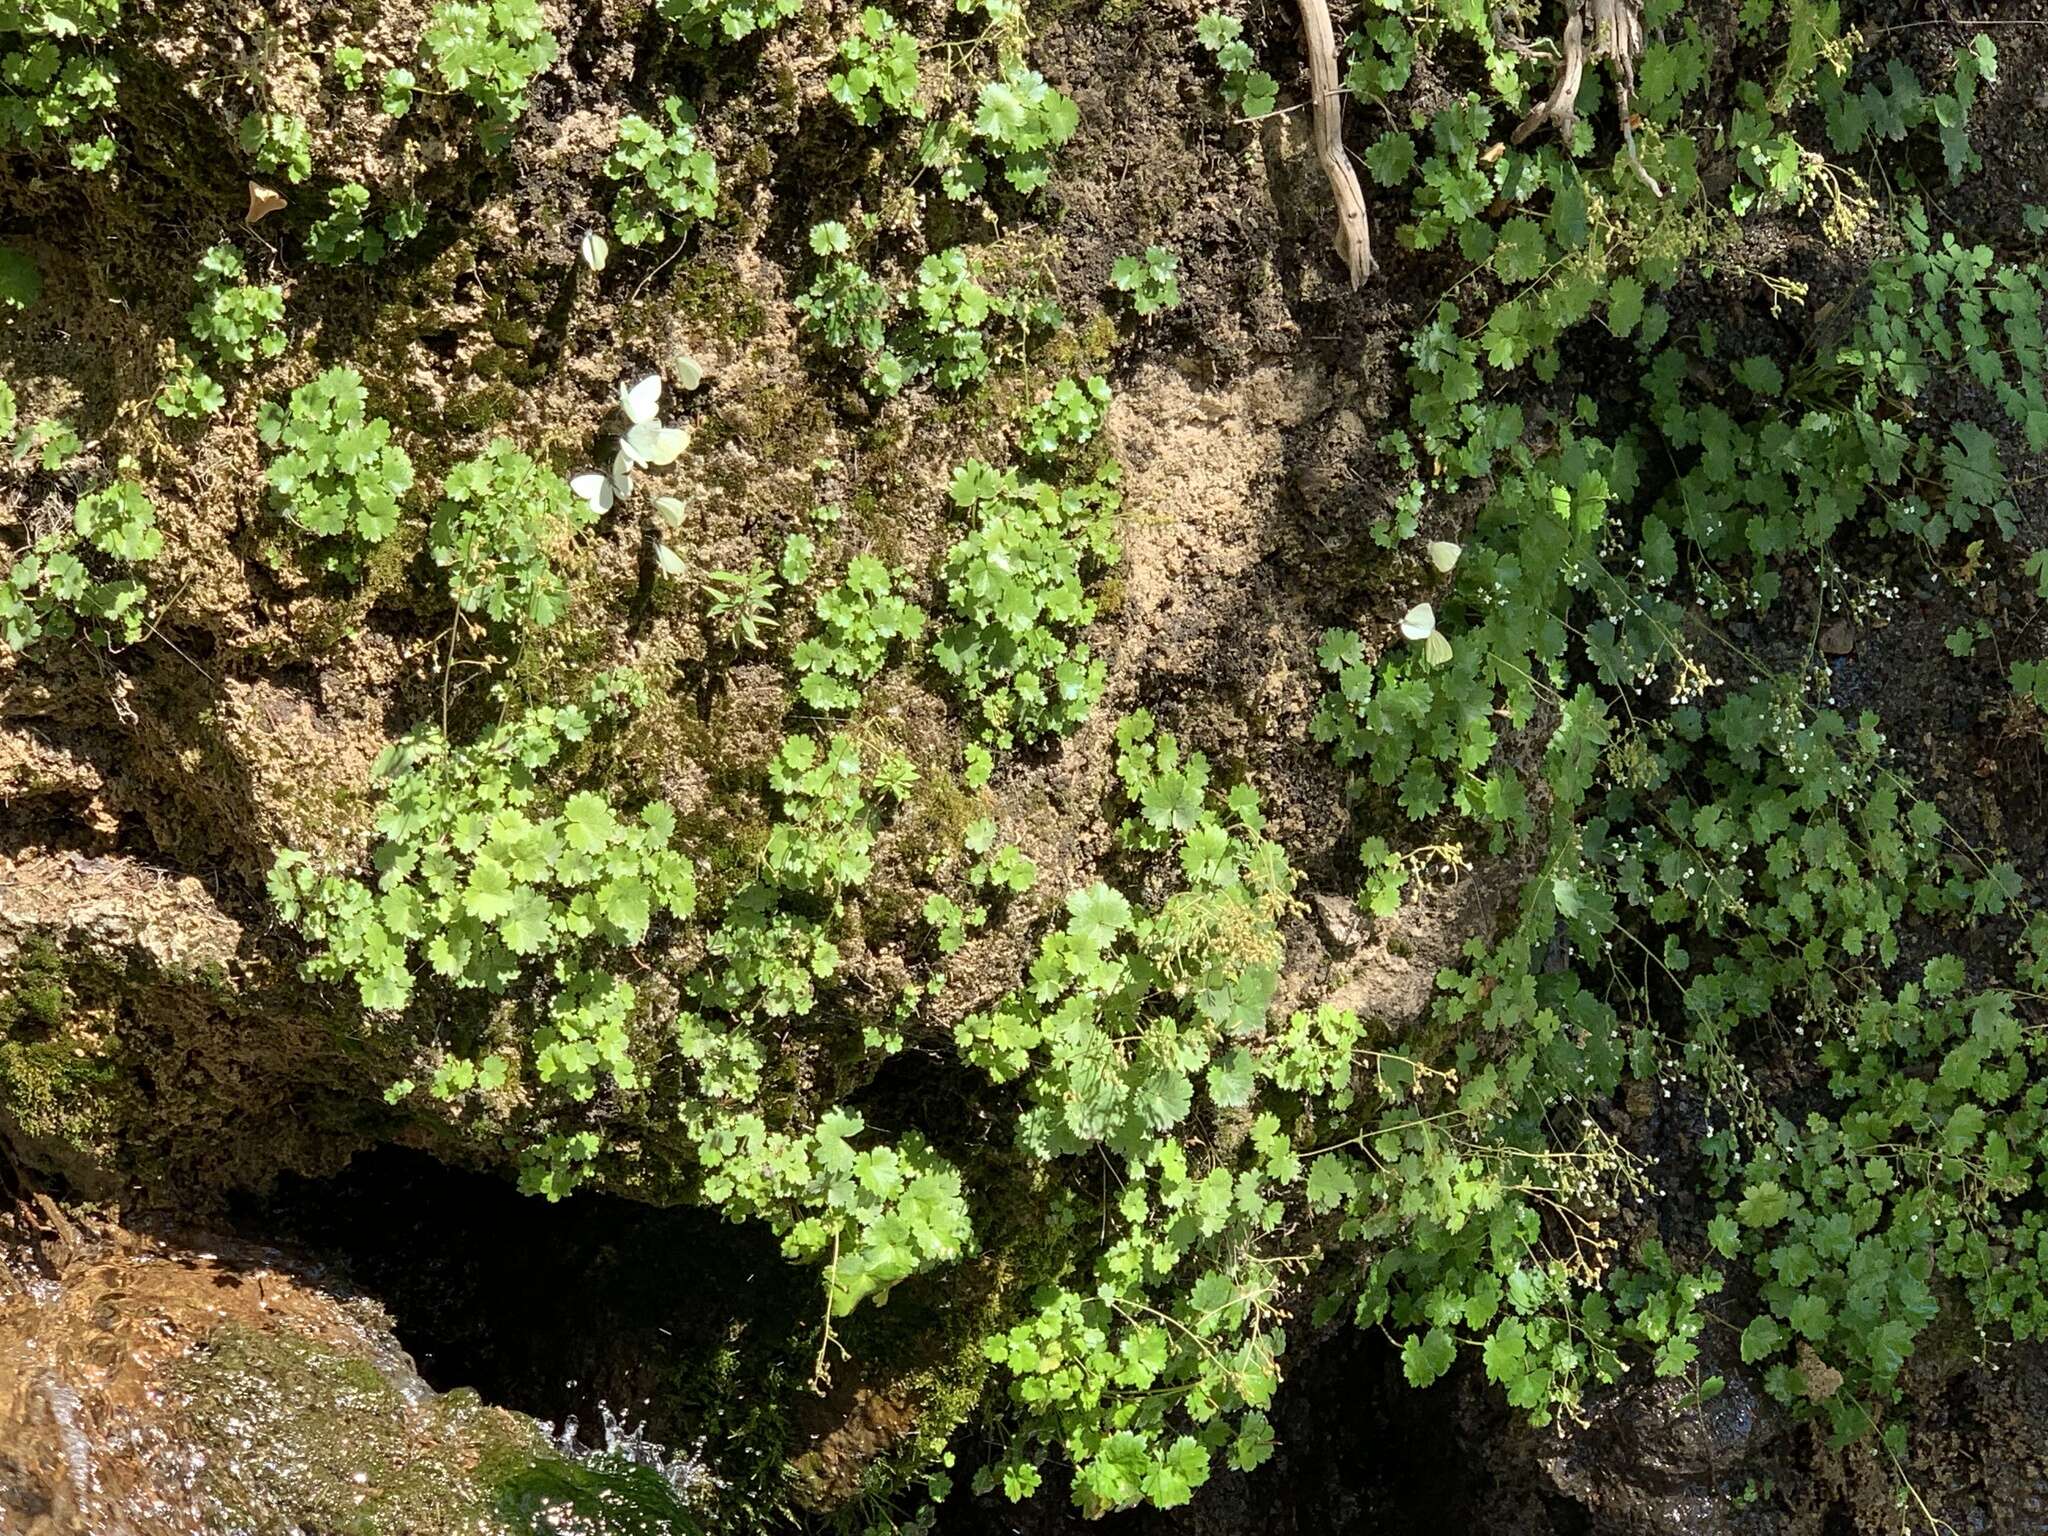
(1152, 280)
(939, 329)
(669, 182)
(489, 51)
(998, 873)
(58, 86)
(53, 588)
(1248, 90)
(1066, 419)
(280, 143)
(1139, 1026)
(704, 22)
(1020, 120)
(235, 320)
(1016, 594)
(490, 878)
(501, 520)
(345, 233)
(1915, 1181)
(339, 476)
(847, 307)
(858, 621)
(873, 1215)
(877, 70)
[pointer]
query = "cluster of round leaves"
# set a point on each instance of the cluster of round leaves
(500, 518)
(939, 329)
(1020, 120)
(484, 874)
(874, 1215)
(669, 182)
(1066, 419)
(345, 232)
(857, 622)
(1152, 280)
(703, 22)
(52, 93)
(1016, 592)
(1921, 1173)
(52, 589)
(280, 143)
(235, 321)
(489, 51)
(878, 69)
(1250, 90)
(339, 476)
(1140, 1032)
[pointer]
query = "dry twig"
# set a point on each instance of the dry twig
(1617, 28)
(1354, 231)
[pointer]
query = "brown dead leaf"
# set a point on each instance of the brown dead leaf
(262, 202)
(1821, 1380)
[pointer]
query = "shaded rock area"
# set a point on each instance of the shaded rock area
(134, 1052)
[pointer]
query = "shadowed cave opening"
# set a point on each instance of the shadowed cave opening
(688, 1324)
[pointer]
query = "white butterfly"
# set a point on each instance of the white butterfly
(651, 443)
(1419, 623)
(640, 401)
(1443, 554)
(593, 250)
(689, 373)
(594, 491)
(669, 512)
(622, 472)
(669, 561)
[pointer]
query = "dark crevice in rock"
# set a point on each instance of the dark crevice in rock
(552, 1310)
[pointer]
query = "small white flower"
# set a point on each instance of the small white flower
(1443, 554)
(594, 251)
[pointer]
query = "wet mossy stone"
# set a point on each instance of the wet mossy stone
(604, 1493)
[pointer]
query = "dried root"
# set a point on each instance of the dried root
(1354, 231)
(1616, 27)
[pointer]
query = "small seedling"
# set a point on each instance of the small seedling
(1152, 280)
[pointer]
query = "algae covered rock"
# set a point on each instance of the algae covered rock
(135, 1056)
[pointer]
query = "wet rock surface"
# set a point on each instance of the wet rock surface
(1656, 1458)
(158, 1385)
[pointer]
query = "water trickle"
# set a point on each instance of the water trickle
(629, 1444)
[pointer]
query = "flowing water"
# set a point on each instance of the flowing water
(183, 1384)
